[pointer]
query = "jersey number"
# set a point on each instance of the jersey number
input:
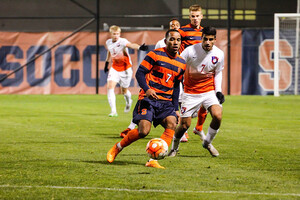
(169, 76)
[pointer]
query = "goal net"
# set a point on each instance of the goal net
(286, 53)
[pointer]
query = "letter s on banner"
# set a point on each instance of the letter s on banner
(266, 62)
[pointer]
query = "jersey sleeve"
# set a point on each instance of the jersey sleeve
(124, 42)
(218, 74)
(185, 54)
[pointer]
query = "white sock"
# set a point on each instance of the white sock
(211, 133)
(127, 96)
(132, 125)
(112, 100)
(175, 143)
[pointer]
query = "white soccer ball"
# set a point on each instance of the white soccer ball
(157, 148)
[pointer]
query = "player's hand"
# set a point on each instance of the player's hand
(220, 97)
(151, 94)
(106, 67)
(143, 47)
(178, 115)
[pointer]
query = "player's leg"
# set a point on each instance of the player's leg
(201, 114)
(169, 123)
(125, 79)
(112, 79)
(190, 104)
(215, 109)
(144, 119)
(216, 113)
(128, 100)
(198, 130)
(179, 132)
(132, 136)
(131, 126)
(111, 97)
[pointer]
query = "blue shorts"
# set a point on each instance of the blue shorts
(153, 111)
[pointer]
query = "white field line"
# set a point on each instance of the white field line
(151, 190)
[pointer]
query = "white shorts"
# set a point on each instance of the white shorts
(192, 102)
(123, 78)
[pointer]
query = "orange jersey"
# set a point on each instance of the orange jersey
(119, 54)
(189, 36)
(164, 70)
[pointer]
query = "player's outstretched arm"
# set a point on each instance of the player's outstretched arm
(142, 47)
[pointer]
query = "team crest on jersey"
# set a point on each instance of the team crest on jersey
(214, 59)
(183, 109)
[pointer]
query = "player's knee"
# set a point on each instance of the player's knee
(172, 126)
(218, 116)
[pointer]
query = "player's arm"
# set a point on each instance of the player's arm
(107, 62)
(142, 47)
(175, 95)
(140, 76)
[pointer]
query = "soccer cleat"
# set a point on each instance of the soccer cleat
(112, 153)
(124, 133)
(154, 163)
(212, 150)
(200, 133)
(172, 153)
(128, 106)
(113, 114)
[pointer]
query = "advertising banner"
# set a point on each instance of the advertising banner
(70, 67)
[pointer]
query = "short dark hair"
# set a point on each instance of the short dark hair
(173, 19)
(171, 30)
(208, 30)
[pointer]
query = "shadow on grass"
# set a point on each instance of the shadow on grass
(104, 162)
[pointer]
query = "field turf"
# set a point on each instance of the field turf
(54, 147)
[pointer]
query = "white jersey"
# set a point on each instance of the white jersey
(203, 69)
(160, 44)
(121, 60)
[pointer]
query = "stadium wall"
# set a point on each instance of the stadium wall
(70, 68)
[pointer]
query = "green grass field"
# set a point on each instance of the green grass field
(54, 147)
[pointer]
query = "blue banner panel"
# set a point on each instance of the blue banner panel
(257, 62)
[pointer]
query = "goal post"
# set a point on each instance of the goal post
(286, 53)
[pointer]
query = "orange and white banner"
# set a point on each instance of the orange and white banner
(70, 68)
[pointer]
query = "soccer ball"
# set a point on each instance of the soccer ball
(157, 148)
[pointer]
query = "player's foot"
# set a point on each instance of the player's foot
(212, 150)
(128, 106)
(112, 153)
(200, 133)
(124, 133)
(113, 114)
(172, 153)
(154, 163)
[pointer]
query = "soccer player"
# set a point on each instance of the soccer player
(192, 34)
(120, 71)
(202, 86)
(173, 24)
(158, 75)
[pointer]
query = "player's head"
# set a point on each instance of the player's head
(208, 37)
(115, 32)
(174, 24)
(195, 15)
(173, 41)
